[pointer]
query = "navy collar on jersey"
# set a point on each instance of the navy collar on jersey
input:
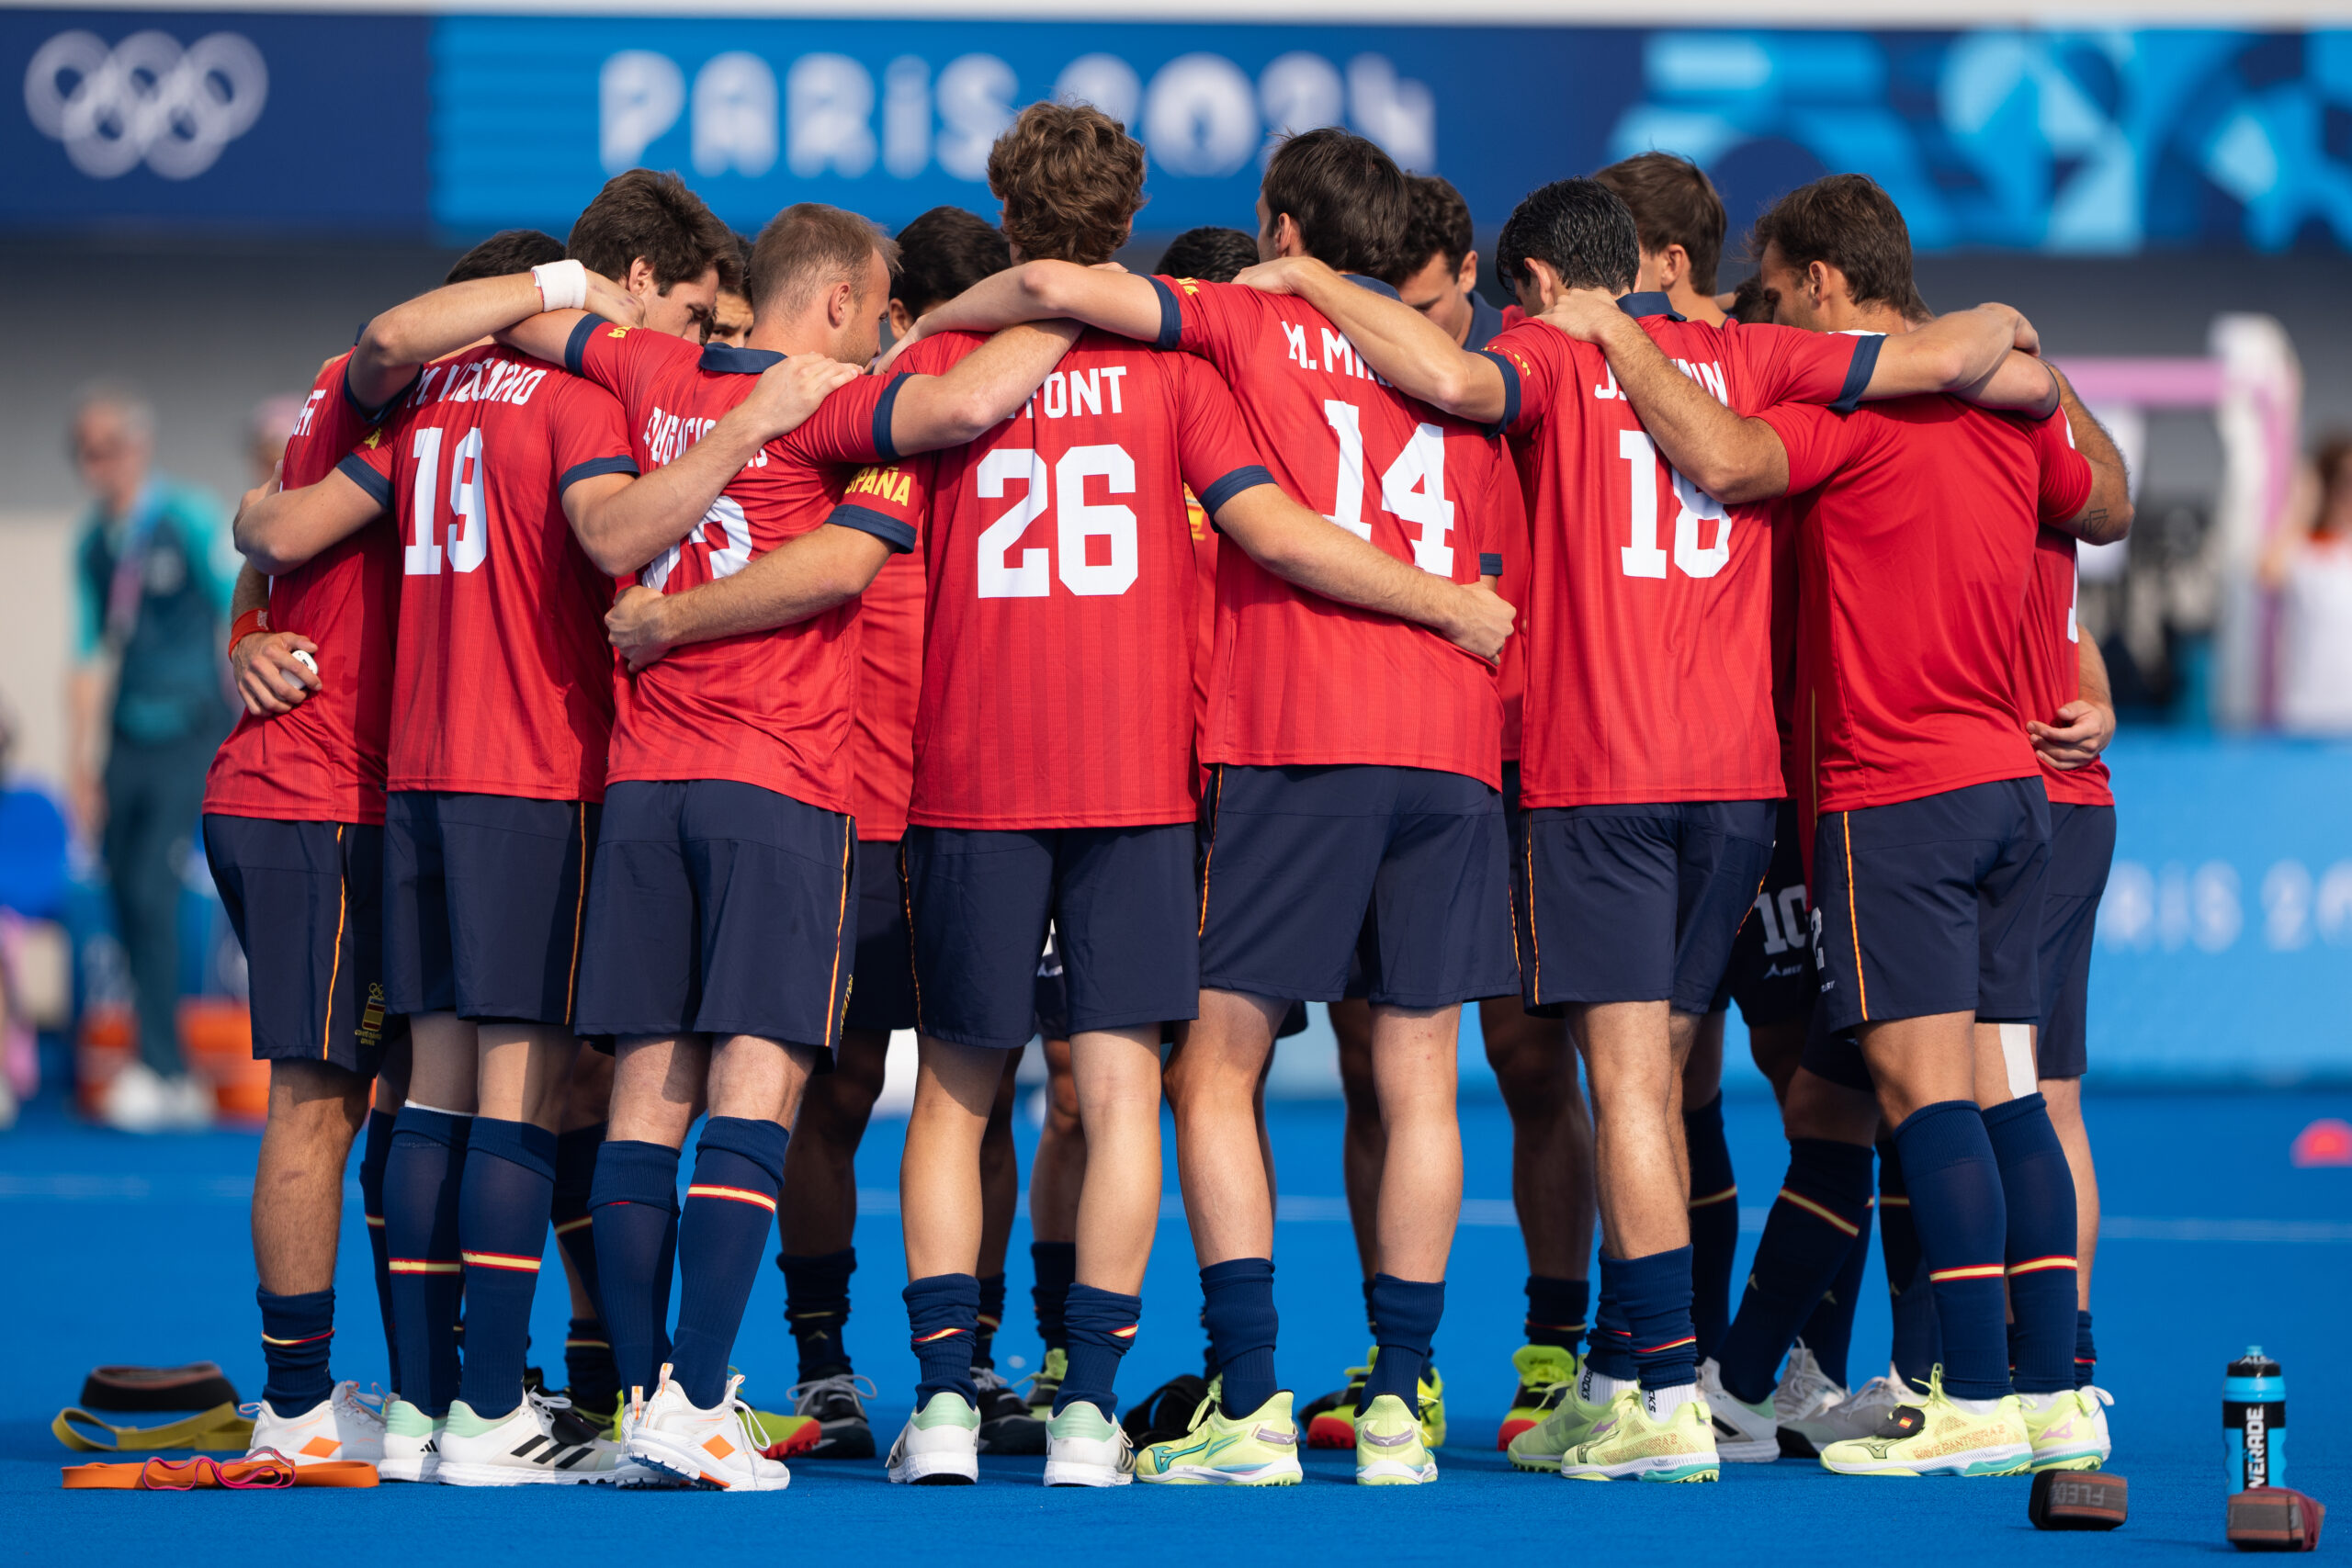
(1650, 303)
(726, 360)
(1386, 291)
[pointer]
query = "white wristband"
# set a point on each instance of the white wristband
(563, 286)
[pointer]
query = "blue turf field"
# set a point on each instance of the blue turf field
(127, 1250)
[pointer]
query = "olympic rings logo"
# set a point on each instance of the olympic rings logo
(145, 100)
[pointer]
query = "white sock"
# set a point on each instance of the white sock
(1976, 1406)
(2040, 1401)
(1594, 1388)
(1665, 1402)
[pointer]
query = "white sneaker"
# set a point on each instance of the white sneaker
(940, 1445)
(1858, 1414)
(2069, 1428)
(1805, 1391)
(339, 1427)
(722, 1448)
(412, 1442)
(540, 1442)
(1745, 1433)
(141, 1100)
(1086, 1448)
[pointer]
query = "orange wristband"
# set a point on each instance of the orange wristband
(245, 625)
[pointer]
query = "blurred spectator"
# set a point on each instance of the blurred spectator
(272, 426)
(2311, 572)
(154, 569)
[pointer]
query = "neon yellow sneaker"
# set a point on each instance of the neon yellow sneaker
(1331, 1420)
(1431, 1393)
(1541, 1369)
(1257, 1450)
(1938, 1437)
(1045, 1382)
(1567, 1421)
(1632, 1442)
(1390, 1450)
(2069, 1429)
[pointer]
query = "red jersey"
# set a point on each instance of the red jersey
(1919, 516)
(1516, 588)
(1649, 670)
(1204, 541)
(1298, 679)
(889, 676)
(1061, 588)
(503, 683)
(770, 709)
(324, 760)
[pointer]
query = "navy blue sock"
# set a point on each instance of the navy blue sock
(1963, 1221)
(1408, 1313)
(634, 1205)
(377, 1152)
(2086, 1351)
(1555, 1311)
(2039, 1189)
(1056, 1263)
(1371, 1313)
(991, 1319)
(816, 1304)
(1823, 1206)
(1828, 1333)
(589, 1377)
(942, 1314)
(1917, 1343)
(1714, 1223)
(1653, 1292)
(503, 1226)
(1611, 1351)
(423, 1177)
(722, 1236)
(1238, 1305)
(294, 1334)
(1102, 1326)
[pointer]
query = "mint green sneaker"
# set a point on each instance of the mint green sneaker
(940, 1445)
(1086, 1448)
(412, 1443)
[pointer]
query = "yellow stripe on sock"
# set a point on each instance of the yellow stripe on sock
(500, 1260)
(1726, 1196)
(2036, 1265)
(733, 1194)
(1971, 1272)
(423, 1265)
(569, 1225)
(1820, 1212)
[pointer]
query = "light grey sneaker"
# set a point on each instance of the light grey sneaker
(412, 1443)
(940, 1445)
(1086, 1448)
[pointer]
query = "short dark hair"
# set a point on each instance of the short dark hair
(943, 253)
(733, 283)
(508, 251)
(1209, 254)
(1752, 302)
(641, 213)
(1071, 181)
(1673, 203)
(1347, 197)
(1577, 227)
(1847, 222)
(1439, 225)
(809, 247)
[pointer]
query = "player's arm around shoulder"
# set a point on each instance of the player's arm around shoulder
(1040, 290)
(981, 391)
(1412, 353)
(277, 530)
(397, 342)
(801, 578)
(2106, 515)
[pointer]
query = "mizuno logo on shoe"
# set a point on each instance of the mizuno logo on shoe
(1278, 1439)
(1386, 1440)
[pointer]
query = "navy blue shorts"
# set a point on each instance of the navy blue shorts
(719, 909)
(2082, 846)
(1404, 871)
(1934, 906)
(1770, 974)
(483, 895)
(306, 900)
(1635, 903)
(1120, 901)
(1053, 1005)
(882, 988)
(1836, 1055)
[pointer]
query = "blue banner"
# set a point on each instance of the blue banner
(189, 120)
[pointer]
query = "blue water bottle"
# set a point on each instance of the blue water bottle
(2253, 1416)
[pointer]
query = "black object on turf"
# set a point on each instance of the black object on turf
(1166, 1413)
(199, 1386)
(2077, 1500)
(2274, 1518)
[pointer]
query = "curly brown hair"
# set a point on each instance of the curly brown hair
(1071, 181)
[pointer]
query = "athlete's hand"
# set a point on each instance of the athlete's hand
(1584, 314)
(1277, 276)
(1482, 622)
(2082, 732)
(614, 303)
(791, 389)
(269, 678)
(635, 626)
(2024, 338)
(259, 493)
(914, 334)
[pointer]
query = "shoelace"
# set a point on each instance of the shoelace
(853, 1384)
(368, 1407)
(1808, 1383)
(750, 1418)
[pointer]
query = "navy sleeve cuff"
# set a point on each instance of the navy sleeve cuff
(576, 347)
(900, 537)
(882, 409)
(1858, 374)
(372, 414)
(620, 464)
(1233, 484)
(1510, 393)
(1491, 564)
(379, 488)
(1172, 317)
